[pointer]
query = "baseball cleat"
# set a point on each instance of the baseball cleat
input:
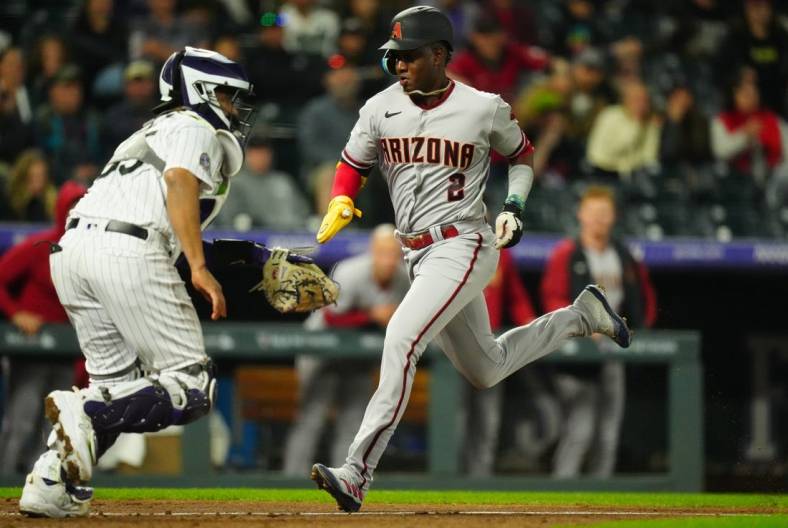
(340, 484)
(73, 436)
(603, 318)
(46, 495)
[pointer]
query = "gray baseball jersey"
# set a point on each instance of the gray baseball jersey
(435, 161)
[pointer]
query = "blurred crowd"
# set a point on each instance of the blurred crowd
(678, 104)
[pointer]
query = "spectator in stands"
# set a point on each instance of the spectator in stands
(127, 116)
(309, 28)
(229, 46)
(544, 96)
(494, 64)
(542, 110)
(262, 196)
(685, 130)
(64, 128)
(745, 134)
(85, 171)
(210, 17)
(516, 18)
(31, 195)
(354, 49)
(49, 56)
(16, 110)
(508, 305)
(579, 27)
(628, 54)
(374, 20)
(323, 128)
(297, 75)
(163, 32)
(590, 93)
(699, 27)
(373, 284)
(593, 398)
(625, 137)
(463, 14)
(760, 42)
(29, 300)
(99, 40)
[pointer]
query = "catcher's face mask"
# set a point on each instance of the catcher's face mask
(236, 105)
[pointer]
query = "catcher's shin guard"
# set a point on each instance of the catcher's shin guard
(151, 403)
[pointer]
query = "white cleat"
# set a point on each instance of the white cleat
(46, 495)
(603, 318)
(340, 483)
(73, 435)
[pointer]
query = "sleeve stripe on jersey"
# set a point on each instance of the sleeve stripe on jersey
(354, 163)
(520, 147)
(525, 146)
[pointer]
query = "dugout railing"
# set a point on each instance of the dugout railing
(254, 342)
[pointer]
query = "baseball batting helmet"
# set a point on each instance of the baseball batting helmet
(192, 77)
(413, 28)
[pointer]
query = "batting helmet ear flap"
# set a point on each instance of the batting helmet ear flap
(389, 63)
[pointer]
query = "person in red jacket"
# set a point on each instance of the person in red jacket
(29, 300)
(493, 63)
(508, 303)
(593, 399)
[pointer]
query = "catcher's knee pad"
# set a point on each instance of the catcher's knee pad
(151, 403)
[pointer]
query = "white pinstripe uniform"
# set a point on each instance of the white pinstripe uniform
(123, 294)
(435, 162)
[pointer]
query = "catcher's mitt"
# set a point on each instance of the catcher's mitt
(295, 286)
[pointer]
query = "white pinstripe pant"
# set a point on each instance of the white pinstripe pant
(125, 300)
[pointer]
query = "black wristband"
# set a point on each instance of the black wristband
(511, 207)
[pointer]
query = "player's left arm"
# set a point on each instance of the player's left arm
(508, 139)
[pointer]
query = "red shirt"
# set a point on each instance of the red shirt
(770, 137)
(506, 295)
(25, 267)
(503, 78)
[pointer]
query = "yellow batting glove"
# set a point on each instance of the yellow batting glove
(340, 212)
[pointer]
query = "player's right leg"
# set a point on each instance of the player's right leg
(47, 493)
(485, 360)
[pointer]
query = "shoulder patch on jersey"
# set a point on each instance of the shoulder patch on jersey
(205, 161)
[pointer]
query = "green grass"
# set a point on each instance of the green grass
(403, 497)
(757, 521)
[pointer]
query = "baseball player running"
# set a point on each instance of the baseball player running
(432, 138)
(114, 274)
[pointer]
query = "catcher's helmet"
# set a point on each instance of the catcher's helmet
(413, 28)
(191, 78)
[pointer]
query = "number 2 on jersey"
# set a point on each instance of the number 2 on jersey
(456, 187)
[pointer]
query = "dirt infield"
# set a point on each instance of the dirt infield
(228, 514)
